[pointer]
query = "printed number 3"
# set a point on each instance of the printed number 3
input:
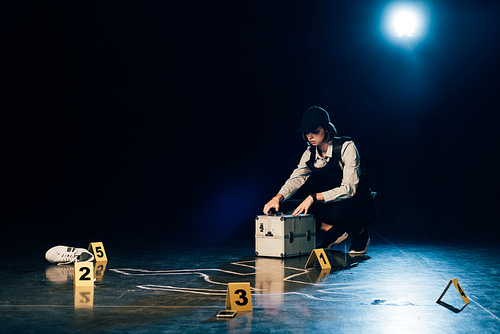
(86, 271)
(243, 298)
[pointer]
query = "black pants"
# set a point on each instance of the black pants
(349, 215)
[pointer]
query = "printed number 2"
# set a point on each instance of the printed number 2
(322, 257)
(243, 298)
(99, 252)
(86, 297)
(98, 270)
(86, 271)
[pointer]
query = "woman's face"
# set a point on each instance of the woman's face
(316, 137)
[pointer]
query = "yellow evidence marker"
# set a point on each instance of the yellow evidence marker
(97, 248)
(459, 289)
(318, 254)
(84, 274)
(239, 297)
(84, 297)
(99, 269)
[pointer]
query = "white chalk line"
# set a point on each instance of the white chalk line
(413, 259)
(216, 292)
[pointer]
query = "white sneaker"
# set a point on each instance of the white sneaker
(60, 274)
(67, 255)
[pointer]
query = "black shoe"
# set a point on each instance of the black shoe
(359, 243)
(332, 237)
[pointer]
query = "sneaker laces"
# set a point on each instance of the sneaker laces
(68, 257)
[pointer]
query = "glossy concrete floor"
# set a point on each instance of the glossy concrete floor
(167, 286)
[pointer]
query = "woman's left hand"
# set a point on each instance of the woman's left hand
(304, 206)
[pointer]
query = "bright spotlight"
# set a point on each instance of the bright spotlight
(405, 23)
(406, 20)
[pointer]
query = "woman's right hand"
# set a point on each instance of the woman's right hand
(274, 203)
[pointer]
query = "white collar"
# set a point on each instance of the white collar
(329, 151)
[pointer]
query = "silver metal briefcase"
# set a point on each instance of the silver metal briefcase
(284, 235)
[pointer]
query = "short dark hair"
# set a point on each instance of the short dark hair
(330, 130)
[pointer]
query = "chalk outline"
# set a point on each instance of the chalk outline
(216, 292)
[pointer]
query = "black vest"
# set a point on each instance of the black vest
(330, 176)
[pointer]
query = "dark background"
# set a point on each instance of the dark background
(157, 118)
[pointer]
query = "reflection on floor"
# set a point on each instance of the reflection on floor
(166, 286)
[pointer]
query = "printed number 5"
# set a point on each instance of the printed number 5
(243, 298)
(99, 252)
